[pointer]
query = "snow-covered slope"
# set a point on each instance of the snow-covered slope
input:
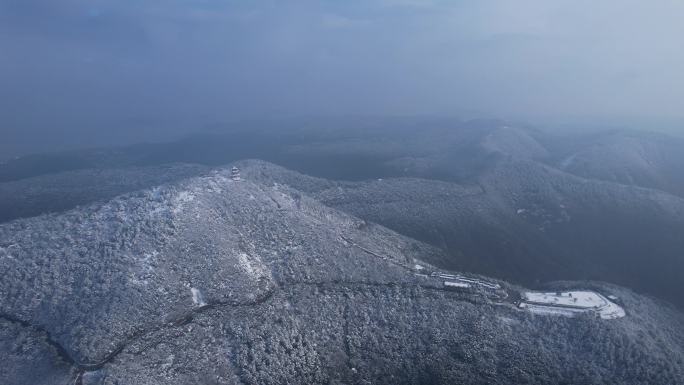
(522, 221)
(631, 158)
(211, 280)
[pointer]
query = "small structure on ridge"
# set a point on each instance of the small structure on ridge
(235, 174)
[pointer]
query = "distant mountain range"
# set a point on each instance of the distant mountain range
(509, 201)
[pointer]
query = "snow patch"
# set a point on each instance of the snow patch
(571, 303)
(457, 285)
(181, 200)
(147, 260)
(145, 269)
(254, 270)
(197, 297)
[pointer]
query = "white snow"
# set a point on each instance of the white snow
(612, 311)
(584, 299)
(550, 310)
(570, 303)
(140, 274)
(419, 267)
(147, 261)
(459, 285)
(197, 297)
(180, 200)
(185, 196)
(255, 270)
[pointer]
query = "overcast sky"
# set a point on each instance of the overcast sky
(105, 67)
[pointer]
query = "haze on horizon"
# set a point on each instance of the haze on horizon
(84, 72)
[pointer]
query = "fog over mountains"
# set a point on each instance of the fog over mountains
(341, 192)
(79, 73)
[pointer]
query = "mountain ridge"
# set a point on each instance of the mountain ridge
(259, 283)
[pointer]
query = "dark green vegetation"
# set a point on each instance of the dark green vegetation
(211, 281)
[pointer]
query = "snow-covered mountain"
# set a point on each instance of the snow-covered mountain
(522, 221)
(631, 158)
(222, 281)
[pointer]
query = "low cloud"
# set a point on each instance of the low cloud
(91, 63)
